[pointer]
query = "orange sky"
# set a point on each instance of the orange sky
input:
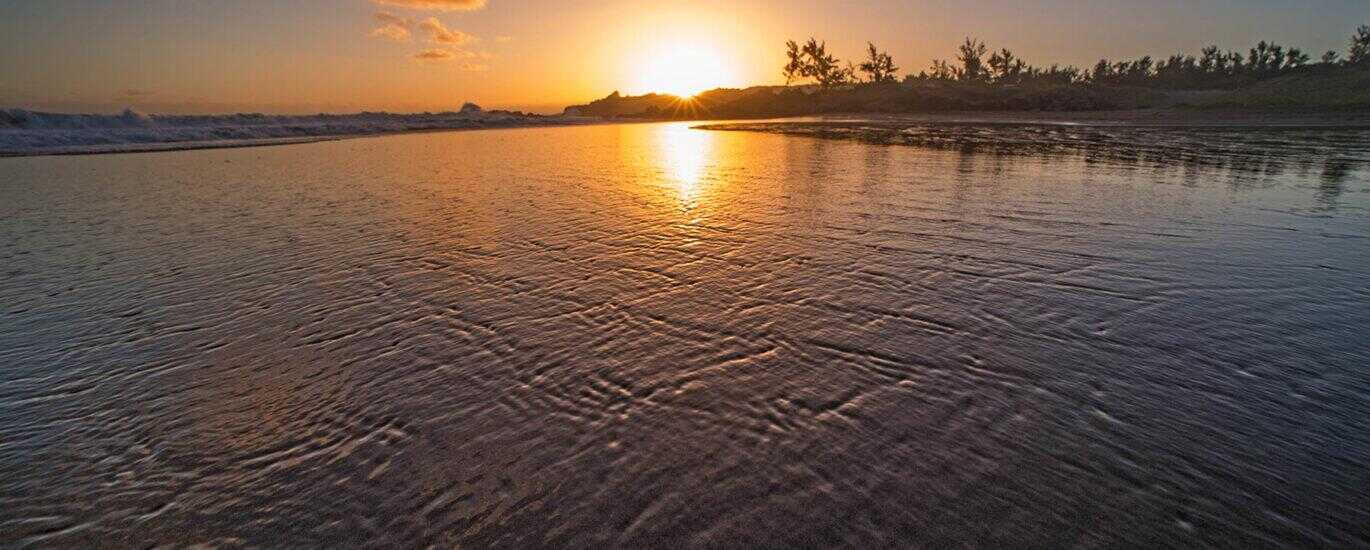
(410, 55)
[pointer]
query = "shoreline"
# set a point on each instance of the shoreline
(142, 137)
(173, 147)
(1136, 118)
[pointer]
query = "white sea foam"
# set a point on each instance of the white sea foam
(24, 132)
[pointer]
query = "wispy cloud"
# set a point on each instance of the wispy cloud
(440, 5)
(392, 32)
(400, 29)
(435, 54)
(393, 27)
(439, 33)
(392, 19)
(504, 39)
(465, 60)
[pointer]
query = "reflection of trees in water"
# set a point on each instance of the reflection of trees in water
(1334, 174)
(1247, 156)
(808, 171)
(876, 166)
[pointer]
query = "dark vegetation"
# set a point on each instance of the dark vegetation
(1266, 76)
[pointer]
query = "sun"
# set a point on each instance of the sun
(683, 70)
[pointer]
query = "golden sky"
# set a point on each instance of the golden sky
(412, 55)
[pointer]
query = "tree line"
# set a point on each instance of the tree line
(1213, 67)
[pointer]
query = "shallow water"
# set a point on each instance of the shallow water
(647, 334)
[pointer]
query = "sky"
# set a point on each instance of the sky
(307, 56)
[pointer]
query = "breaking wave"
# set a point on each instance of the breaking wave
(24, 132)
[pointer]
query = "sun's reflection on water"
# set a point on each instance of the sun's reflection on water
(686, 155)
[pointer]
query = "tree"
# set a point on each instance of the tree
(1295, 58)
(1054, 73)
(823, 66)
(878, 65)
(1101, 72)
(795, 69)
(1178, 70)
(971, 55)
(1234, 62)
(812, 60)
(1359, 53)
(1258, 58)
(1139, 70)
(1005, 68)
(1210, 60)
(1211, 69)
(941, 70)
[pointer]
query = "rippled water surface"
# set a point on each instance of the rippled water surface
(648, 334)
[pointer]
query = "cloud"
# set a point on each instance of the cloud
(466, 60)
(393, 27)
(439, 5)
(435, 54)
(400, 29)
(136, 92)
(504, 39)
(392, 19)
(440, 34)
(392, 32)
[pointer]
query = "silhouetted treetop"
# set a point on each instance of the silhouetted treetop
(879, 66)
(970, 55)
(812, 60)
(1359, 54)
(1212, 68)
